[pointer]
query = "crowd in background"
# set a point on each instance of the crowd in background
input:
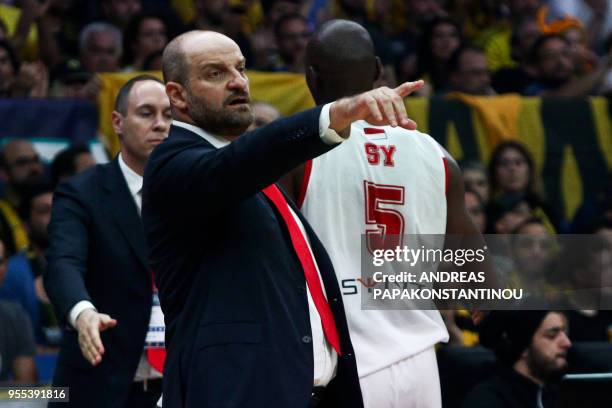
(485, 47)
(532, 47)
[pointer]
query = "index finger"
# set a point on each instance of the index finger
(407, 88)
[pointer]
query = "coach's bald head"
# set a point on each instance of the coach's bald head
(340, 61)
(206, 82)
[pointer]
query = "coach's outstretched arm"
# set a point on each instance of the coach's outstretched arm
(257, 159)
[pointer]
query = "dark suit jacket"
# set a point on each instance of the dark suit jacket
(231, 287)
(97, 253)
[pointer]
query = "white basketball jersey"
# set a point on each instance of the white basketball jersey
(381, 179)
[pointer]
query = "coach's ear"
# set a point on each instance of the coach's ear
(177, 95)
(117, 122)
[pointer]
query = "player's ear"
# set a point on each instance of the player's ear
(379, 70)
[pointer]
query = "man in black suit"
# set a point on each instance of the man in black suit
(98, 276)
(253, 311)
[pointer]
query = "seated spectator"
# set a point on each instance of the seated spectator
(552, 57)
(21, 169)
(514, 79)
(512, 172)
(440, 40)
(69, 162)
(531, 348)
(475, 178)
(469, 72)
(100, 47)
(532, 254)
(263, 113)
(17, 347)
(292, 33)
(145, 35)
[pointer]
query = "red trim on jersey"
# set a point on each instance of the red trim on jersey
(446, 176)
(373, 131)
(305, 180)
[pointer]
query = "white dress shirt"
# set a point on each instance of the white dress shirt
(134, 183)
(325, 357)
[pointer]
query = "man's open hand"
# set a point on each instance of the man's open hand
(89, 324)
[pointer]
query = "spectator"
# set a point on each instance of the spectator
(120, 12)
(57, 24)
(507, 212)
(532, 253)
(475, 207)
(22, 170)
(469, 72)
(70, 161)
(596, 16)
(531, 348)
(498, 46)
(553, 60)
(475, 178)
(17, 347)
(292, 33)
(21, 80)
(516, 78)
(512, 170)
(264, 43)
(100, 46)
(440, 40)
(554, 66)
(146, 34)
(223, 17)
(263, 113)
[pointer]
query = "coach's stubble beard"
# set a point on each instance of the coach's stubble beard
(222, 121)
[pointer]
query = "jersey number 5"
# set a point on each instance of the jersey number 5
(388, 223)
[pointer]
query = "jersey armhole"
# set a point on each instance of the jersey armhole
(304, 185)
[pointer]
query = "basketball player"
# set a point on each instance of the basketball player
(421, 191)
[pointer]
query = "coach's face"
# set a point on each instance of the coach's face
(217, 92)
(147, 120)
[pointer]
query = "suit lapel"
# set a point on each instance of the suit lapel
(123, 211)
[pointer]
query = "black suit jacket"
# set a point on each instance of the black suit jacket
(231, 287)
(97, 253)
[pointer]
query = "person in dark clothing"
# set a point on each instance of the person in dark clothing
(531, 348)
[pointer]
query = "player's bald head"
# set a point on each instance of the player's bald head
(340, 52)
(180, 52)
